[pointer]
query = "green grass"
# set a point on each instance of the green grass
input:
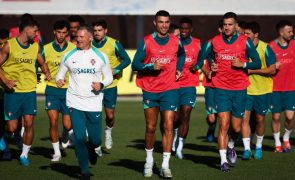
(126, 159)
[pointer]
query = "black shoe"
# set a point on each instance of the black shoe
(85, 176)
(91, 153)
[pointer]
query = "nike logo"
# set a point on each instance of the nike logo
(264, 111)
(97, 116)
(226, 50)
(74, 62)
(162, 51)
(24, 53)
(172, 106)
(293, 107)
(285, 54)
(191, 102)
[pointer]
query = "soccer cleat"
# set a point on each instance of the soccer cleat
(231, 156)
(2, 144)
(179, 155)
(246, 155)
(108, 140)
(85, 176)
(225, 167)
(258, 153)
(24, 161)
(56, 158)
(98, 151)
(92, 154)
(210, 137)
(287, 147)
(166, 173)
(65, 139)
(278, 149)
(6, 156)
(65, 145)
(148, 169)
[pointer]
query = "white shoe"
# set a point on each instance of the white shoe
(56, 158)
(148, 169)
(65, 145)
(98, 151)
(108, 140)
(179, 155)
(166, 173)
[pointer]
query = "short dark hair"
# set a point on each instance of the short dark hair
(281, 24)
(25, 17)
(60, 24)
(100, 22)
(87, 28)
(162, 13)
(76, 18)
(186, 20)
(26, 23)
(230, 15)
(220, 23)
(242, 24)
(4, 33)
(253, 26)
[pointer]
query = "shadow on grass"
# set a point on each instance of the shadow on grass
(210, 161)
(71, 171)
(140, 144)
(45, 152)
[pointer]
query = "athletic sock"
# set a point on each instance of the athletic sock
(56, 148)
(222, 153)
(149, 155)
(259, 140)
(277, 139)
(166, 158)
(25, 151)
(246, 142)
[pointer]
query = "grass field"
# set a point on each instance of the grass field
(126, 159)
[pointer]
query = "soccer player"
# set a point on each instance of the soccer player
(75, 21)
(119, 60)
(187, 82)
(18, 58)
(89, 72)
(56, 97)
(159, 60)
(229, 51)
(283, 96)
(258, 92)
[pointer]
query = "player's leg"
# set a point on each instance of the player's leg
(211, 113)
(260, 129)
(78, 120)
(27, 139)
(175, 130)
(109, 102)
(276, 108)
(246, 135)
(54, 135)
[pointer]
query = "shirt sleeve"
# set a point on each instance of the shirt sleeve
(180, 57)
(253, 55)
(140, 54)
(270, 56)
(122, 54)
(207, 53)
(200, 58)
(63, 69)
(107, 73)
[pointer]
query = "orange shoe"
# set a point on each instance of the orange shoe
(278, 149)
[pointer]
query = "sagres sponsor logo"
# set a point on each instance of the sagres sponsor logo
(83, 70)
(162, 59)
(23, 60)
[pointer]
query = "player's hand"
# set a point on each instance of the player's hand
(178, 75)
(60, 83)
(113, 71)
(9, 83)
(157, 65)
(237, 63)
(278, 65)
(193, 68)
(214, 67)
(48, 76)
(96, 86)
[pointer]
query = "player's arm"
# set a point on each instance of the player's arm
(253, 55)
(43, 65)
(180, 60)
(61, 75)
(137, 63)
(122, 54)
(107, 74)
(4, 54)
(271, 64)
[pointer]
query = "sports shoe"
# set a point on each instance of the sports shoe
(2, 144)
(108, 140)
(24, 161)
(225, 167)
(246, 155)
(65, 138)
(98, 151)
(258, 153)
(210, 137)
(85, 176)
(166, 173)
(148, 169)
(6, 156)
(287, 147)
(179, 155)
(65, 145)
(231, 156)
(92, 154)
(56, 158)
(278, 149)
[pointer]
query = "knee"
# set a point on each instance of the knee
(223, 128)
(110, 116)
(150, 129)
(11, 128)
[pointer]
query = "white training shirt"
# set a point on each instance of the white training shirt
(85, 67)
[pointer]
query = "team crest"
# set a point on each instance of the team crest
(49, 104)
(9, 113)
(92, 61)
(147, 101)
